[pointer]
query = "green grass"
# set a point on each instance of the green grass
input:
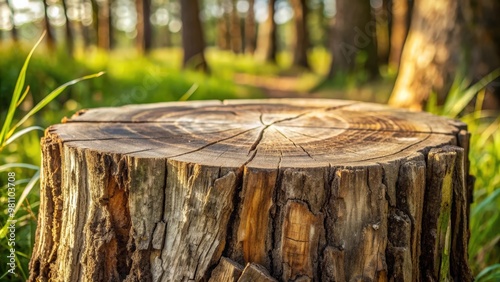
(484, 244)
(133, 79)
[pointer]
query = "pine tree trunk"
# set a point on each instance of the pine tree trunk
(250, 29)
(69, 33)
(50, 38)
(401, 15)
(431, 53)
(236, 35)
(144, 28)
(13, 32)
(301, 33)
(266, 44)
(354, 35)
(486, 47)
(193, 42)
(255, 190)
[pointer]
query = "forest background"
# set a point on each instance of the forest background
(442, 56)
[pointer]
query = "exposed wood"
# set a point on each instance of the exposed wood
(296, 190)
(226, 271)
(255, 273)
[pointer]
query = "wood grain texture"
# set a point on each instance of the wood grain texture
(296, 190)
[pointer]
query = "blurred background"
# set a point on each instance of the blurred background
(441, 56)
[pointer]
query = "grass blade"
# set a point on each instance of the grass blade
(18, 165)
(27, 190)
(468, 94)
(190, 92)
(17, 93)
(21, 133)
(51, 96)
(24, 96)
(490, 273)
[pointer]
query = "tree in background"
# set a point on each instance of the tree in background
(102, 23)
(353, 42)
(486, 52)
(144, 28)
(266, 44)
(301, 45)
(431, 53)
(50, 38)
(236, 36)
(13, 31)
(223, 30)
(400, 24)
(69, 33)
(250, 29)
(193, 42)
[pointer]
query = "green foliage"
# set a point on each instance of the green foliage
(484, 247)
(8, 134)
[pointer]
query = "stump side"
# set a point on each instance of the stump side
(295, 190)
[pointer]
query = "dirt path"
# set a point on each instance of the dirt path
(296, 87)
(273, 87)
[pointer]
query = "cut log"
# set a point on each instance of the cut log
(297, 190)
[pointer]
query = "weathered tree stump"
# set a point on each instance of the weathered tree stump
(254, 190)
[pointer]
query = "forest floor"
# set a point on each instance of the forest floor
(286, 86)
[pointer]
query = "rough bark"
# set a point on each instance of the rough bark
(354, 37)
(296, 190)
(300, 11)
(193, 42)
(144, 27)
(266, 42)
(431, 53)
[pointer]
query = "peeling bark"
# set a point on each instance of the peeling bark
(295, 190)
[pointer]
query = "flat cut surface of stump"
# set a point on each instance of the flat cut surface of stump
(269, 133)
(293, 189)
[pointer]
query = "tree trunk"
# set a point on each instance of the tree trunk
(266, 44)
(353, 42)
(144, 28)
(294, 190)
(193, 42)
(486, 50)
(300, 12)
(13, 31)
(236, 36)
(104, 26)
(50, 38)
(223, 32)
(431, 53)
(401, 16)
(383, 21)
(69, 32)
(250, 29)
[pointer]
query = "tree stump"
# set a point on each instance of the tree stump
(254, 190)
